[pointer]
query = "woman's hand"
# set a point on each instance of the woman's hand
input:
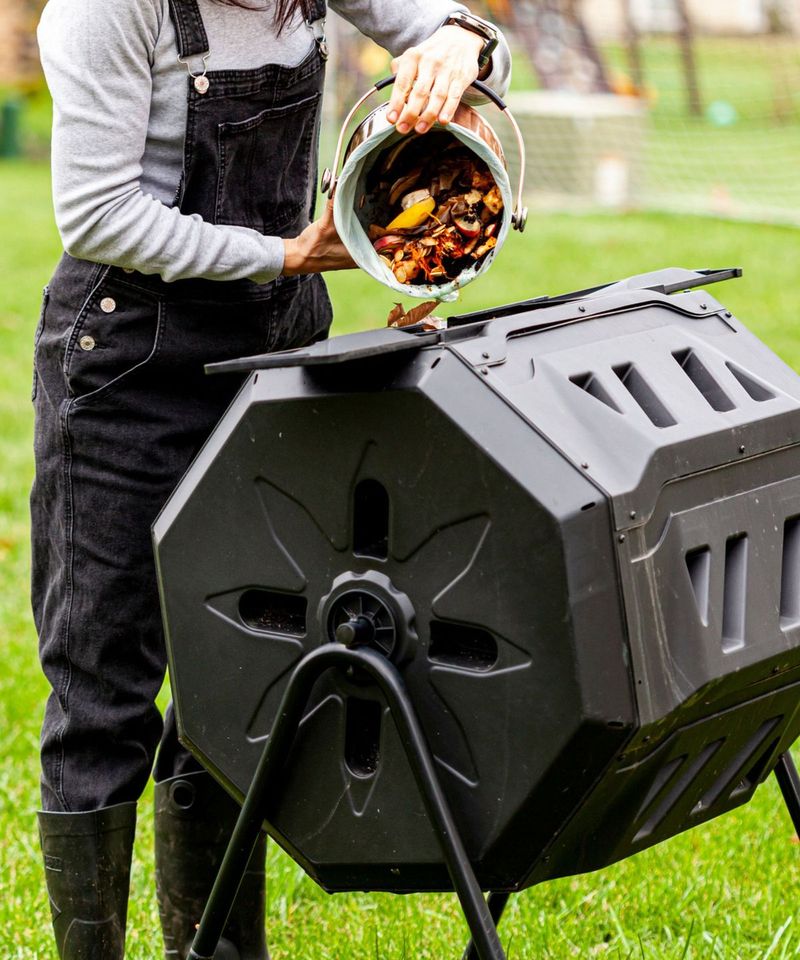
(433, 77)
(317, 249)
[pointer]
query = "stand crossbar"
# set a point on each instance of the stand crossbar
(263, 797)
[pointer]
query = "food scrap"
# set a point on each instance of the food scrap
(399, 317)
(441, 208)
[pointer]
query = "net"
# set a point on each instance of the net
(678, 119)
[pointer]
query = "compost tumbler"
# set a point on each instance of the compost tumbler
(572, 527)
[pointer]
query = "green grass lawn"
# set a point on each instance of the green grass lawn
(726, 891)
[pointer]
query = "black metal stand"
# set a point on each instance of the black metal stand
(262, 798)
(789, 782)
(497, 905)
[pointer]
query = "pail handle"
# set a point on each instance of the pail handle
(330, 178)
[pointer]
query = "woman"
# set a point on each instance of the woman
(184, 178)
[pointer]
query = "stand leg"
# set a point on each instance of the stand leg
(789, 782)
(497, 905)
(264, 794)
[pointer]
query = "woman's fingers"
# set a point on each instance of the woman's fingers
(451, 104)
(434, 110)
(417, 100)
(405, 71)
(431, 79)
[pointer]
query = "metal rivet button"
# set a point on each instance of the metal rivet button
(108, 305)
(87, 343)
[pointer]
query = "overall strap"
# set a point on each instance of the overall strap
(316, 21)
(189, 27)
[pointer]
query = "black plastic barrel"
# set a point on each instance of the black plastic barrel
(573, 526)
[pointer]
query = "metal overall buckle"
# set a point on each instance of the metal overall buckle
(317, 27)
(201, 81)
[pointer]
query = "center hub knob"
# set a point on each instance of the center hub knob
(358, 632)
(360, 618)
(365, 609)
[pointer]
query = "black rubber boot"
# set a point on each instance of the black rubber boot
(194, 821)
(87, 861)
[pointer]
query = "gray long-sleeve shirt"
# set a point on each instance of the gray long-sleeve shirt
(119, 96)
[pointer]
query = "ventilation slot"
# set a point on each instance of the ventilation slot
(758, 771)
(459, 645)
(732, 772)
(589, 383)
(371, 520)
(663, 777)
(790, 574)
(698, 563)
(674, 795)
(644, 395)
(273, 612)
(754, 388)
(362, 736)
(735, 596)
(697, 372)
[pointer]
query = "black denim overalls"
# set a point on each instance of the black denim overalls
(122, 406)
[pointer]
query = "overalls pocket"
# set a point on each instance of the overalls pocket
(37, 336)
(264, 167)
(116, 334)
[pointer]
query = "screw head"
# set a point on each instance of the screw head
(485, 354)
(584, 466)
(622, 538)
(633, 514)
(742, 448)
(582, 309)
(704, 306)
(485, 371)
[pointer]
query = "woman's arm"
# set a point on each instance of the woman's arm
(318, 249)
(96, 55)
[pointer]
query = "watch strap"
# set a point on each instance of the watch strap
(480, 29)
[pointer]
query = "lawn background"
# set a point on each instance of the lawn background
(728, 890)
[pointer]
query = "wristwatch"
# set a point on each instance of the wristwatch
(482, 28)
